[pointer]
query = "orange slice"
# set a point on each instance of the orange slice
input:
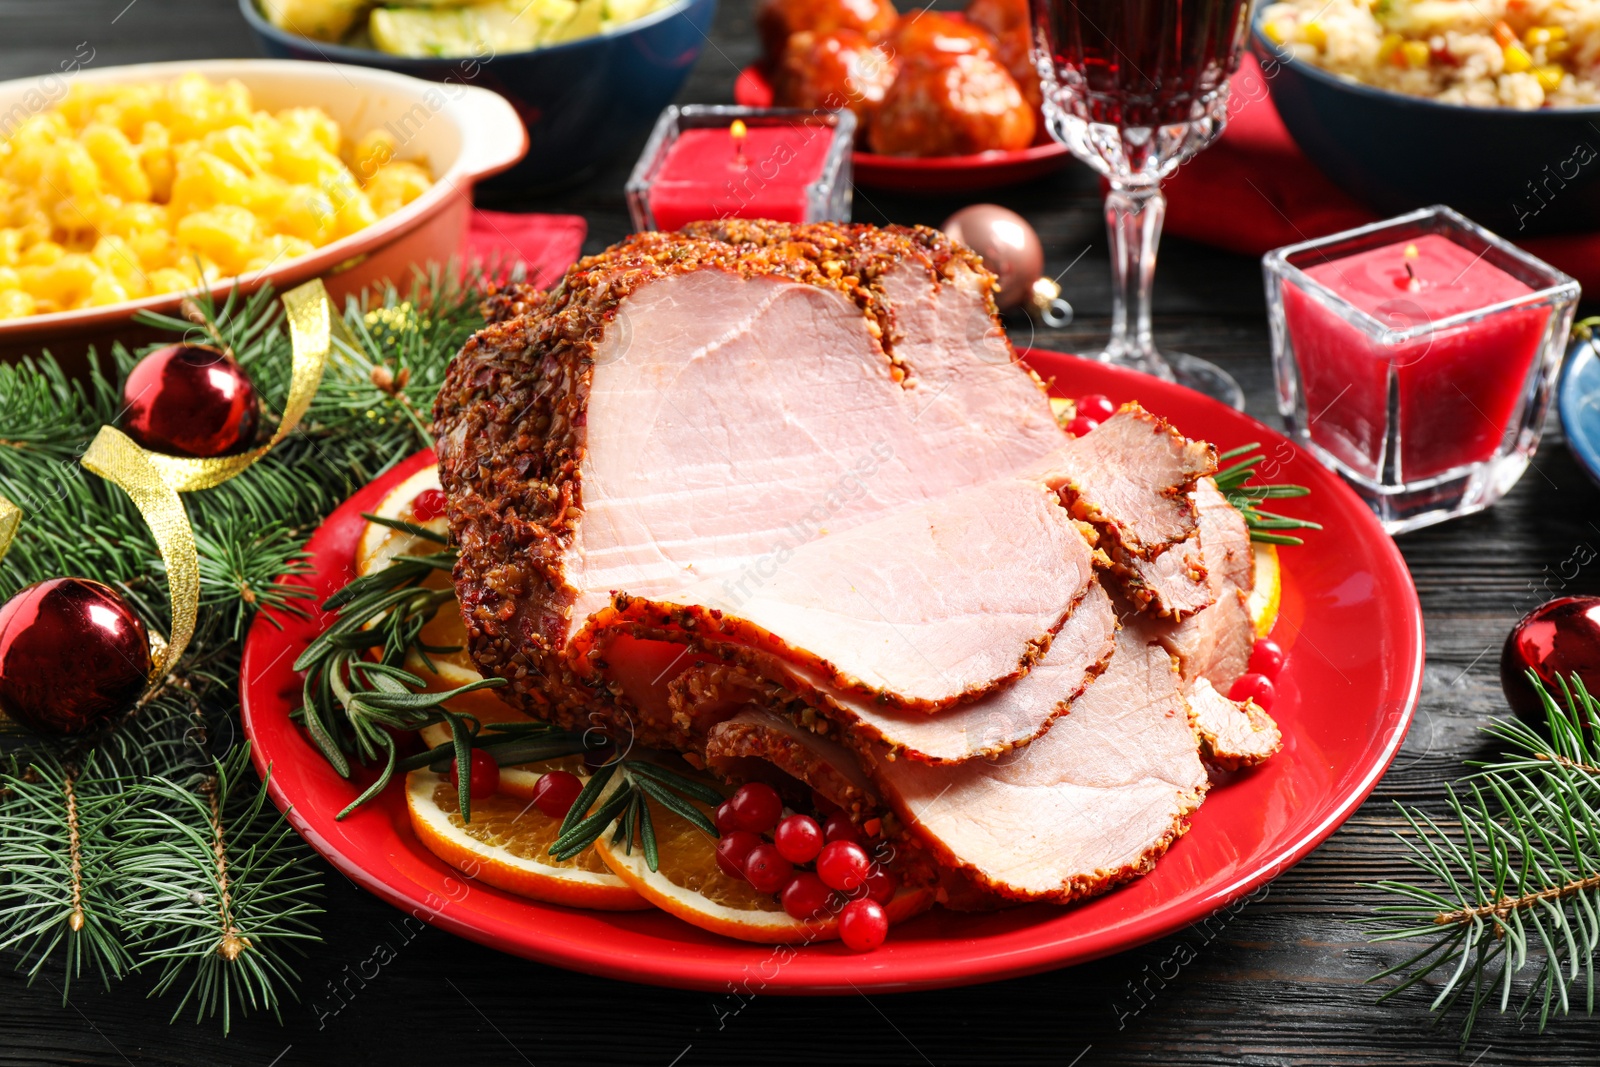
(690, 885)
(507, 845)
(1267, 594)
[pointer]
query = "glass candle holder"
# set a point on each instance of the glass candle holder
(714, 161)
(1416, 357)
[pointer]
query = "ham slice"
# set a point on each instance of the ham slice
(1094, 802)
(1215, 643)
(999, 722)
(1234, 735)
(1132, 478)
(928, 607)
(760, 735)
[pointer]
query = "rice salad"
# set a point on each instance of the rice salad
(1523, 54)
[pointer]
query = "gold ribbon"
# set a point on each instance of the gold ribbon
(312, 327)
(10, 519)
(114, 456)
(153, 480)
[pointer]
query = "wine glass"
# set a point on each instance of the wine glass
(1134, 88)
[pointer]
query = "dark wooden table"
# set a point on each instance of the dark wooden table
(1281, 982)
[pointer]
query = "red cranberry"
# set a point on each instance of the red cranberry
(428, 505)
(840, 828)
(483, 776)
(1096, 406)
(1082, 425)
(799, 838)
(1557, 639)
(1266, 657)
(766, 869)
(881, 884)
(863, 924)
(723, 817)
(756, 807)
(555, 792)
(843, 865)
(732, 850)
(805, 897)
(1256, 687)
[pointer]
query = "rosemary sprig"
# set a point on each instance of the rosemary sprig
(351, 705)
(621, 792)
(1512, 877)
(1234, 482)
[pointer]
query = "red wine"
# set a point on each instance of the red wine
(1140, 63)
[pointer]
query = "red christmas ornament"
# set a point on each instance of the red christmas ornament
(1559, 637)
(71, 652)
(189, 400)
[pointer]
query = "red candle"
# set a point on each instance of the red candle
(1457, 388)
(712, 174)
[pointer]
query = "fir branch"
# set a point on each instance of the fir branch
(217, 919)
(58, 897)
(147, 795)
(1513, 879)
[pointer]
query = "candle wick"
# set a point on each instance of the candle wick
(1413, 283)
(737, 131)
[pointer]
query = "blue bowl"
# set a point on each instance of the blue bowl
(581, 101)
(1519, 173)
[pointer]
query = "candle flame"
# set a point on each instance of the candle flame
(1412, 252)
(737, 129)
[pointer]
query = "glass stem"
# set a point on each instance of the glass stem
(1134, 213)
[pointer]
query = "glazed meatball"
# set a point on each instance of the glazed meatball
(952, 106)
(1009, 23)
(931, 35)
(835, 70)
(778, 20)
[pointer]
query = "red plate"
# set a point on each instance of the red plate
(1350, 624)
(933, 174)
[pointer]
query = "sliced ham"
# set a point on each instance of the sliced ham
(1091, 804)
(1133, 479)
(1234, 735)
(930, 606)
(689, 407)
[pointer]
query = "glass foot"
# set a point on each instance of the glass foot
(1206, 377)
(1191, 372)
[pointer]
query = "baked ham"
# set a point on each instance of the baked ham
(782, 499)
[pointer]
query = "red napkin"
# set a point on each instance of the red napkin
(546, 244)
(1253, 191)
